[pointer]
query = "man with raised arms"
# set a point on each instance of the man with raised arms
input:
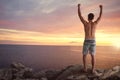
(89, 45)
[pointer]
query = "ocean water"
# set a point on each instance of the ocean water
(56, 57)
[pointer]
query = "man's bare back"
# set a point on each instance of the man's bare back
(89, 29)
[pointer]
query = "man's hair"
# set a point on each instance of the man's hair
(90, 16)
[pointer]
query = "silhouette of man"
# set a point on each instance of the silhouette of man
(89, 45)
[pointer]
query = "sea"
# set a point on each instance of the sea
(44, 57)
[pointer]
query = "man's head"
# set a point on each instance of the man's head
(90, 16)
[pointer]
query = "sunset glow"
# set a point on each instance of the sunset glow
(55, 22)
(37, 38)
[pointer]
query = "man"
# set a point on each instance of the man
(89, 45)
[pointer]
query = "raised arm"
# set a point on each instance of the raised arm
(79, 14)
(98, 19)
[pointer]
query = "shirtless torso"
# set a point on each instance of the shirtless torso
(89, 29)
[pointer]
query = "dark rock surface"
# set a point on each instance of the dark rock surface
(18, 71)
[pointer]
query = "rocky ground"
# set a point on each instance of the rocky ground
(18, 71)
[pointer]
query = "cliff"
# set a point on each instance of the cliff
(18, 71)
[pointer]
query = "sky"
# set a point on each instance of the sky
(56, 22)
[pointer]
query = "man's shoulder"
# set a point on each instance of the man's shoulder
(95, 22)
(85, 22)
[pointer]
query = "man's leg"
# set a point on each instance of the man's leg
(92, 53)
(85, 51)
(84, 62)
(93, 62)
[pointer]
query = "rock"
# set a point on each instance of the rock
(28, 74)
(18, 71)
(80, 77)
(51, 74)
(116, 76)
(106, 74)
(69, 71)
(43, 78)
(70, 77)
(100, 70)
(17, 66)
(112, 73)
(116, 68)
(5, 74)
(26, 79)
(39, 75)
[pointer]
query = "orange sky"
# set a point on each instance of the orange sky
(55, 22)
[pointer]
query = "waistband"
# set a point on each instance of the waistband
(90, 40)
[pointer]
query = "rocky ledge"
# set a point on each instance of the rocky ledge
(18, 71)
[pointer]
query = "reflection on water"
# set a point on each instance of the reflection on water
(54, 57)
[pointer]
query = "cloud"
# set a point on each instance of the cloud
(26, 8)
(22, 37)
(74, 42)
(57, 16)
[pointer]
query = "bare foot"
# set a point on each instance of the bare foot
(84, 70)
(93, 71)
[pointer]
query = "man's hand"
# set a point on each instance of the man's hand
(78, 5)
(100, 6)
